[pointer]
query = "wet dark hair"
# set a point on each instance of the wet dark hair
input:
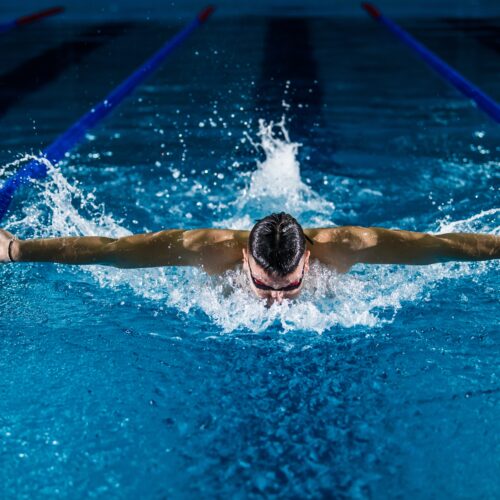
(277, 242)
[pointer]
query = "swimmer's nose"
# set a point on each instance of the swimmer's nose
(277, 297)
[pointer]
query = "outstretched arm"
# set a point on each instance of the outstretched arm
(213, 249)
(350, 245)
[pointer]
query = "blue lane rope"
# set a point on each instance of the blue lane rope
(65, 142)
(483, 101)
(30, 18)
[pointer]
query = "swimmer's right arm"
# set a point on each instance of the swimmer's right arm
(213, 249)
(345, 246)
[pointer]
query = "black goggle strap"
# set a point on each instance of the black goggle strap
(308, 239)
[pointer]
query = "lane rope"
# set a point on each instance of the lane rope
(56, 151)
(30, 18)
(452, 76)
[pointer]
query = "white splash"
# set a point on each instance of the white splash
(369, 296)
(485, 221)
(276, 184)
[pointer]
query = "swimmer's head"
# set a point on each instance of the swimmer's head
(276, 259)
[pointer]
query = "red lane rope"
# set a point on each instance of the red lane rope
(205, 13)
(371, 9)
(30, 18)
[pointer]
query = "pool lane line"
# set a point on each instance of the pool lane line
(38, 71)
(65, 142)
(483, 101)
(483, 31)
(289, 72)
(30, 18)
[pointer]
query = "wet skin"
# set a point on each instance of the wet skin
(217, 250)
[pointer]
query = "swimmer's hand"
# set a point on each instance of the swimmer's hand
(5, 242)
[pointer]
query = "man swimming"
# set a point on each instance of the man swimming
(275, 254)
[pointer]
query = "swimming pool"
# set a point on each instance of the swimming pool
(167, 383)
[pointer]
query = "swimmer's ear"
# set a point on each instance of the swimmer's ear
(307, 254)
(245, 255)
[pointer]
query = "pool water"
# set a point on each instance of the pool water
(166, 383)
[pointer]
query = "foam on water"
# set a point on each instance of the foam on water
(368, 296)
(484, 221)
(276, 184)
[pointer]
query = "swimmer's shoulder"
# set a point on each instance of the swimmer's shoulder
(334, 246)
(214, 236)
(240, 236)
(340, 236)
(218, 249)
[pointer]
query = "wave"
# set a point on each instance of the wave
(370, 296)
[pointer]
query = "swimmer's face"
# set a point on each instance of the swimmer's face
(257, 273)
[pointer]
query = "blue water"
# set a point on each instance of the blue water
(166, 383)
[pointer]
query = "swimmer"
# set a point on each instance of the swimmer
(275, 254)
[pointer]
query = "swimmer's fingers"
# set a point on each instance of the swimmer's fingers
(5, 239)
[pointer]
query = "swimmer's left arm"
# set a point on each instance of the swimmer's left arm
(350, 245)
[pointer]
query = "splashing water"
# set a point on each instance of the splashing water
(370, 296)
(276, 185)
(64, 210)
(484, 221)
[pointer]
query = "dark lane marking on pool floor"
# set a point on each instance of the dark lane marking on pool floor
(40, 70)
(484, 31)
(289, 57)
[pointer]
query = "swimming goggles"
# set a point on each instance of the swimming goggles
(262, 286)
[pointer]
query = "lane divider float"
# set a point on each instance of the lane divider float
(452, 76)
(69, 139)
(30, 18)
